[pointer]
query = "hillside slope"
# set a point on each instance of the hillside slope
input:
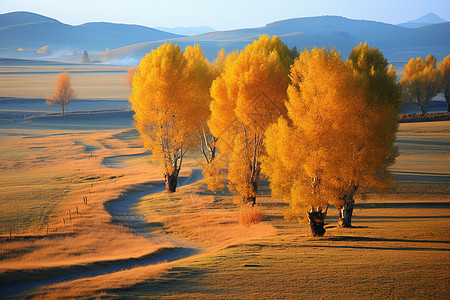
(32, 31)
(396, 42)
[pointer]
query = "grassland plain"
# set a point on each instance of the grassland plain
(399, 247)
(89, 81)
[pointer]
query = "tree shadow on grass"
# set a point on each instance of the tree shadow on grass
(391, 205)
(377, 248)
(175, 280)
(371, 239)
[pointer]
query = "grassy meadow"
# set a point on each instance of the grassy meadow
(398, 248)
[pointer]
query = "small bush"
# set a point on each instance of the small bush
(249, 214)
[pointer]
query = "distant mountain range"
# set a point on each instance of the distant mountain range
(189, 31)
(30, 32)
(428, 19)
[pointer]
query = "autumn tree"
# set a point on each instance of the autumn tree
(167, 110)
(329, 146)
(247, 97)
(421, 81)
(63, 93)
(444, 68)
(373, 150)
(130, 74)
(213, 173)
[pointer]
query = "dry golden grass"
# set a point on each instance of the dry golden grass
(50, 175)
(398, 248)
(250, 215)
(107, 82)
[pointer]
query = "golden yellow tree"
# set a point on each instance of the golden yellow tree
(374, 134)
(444, 68)
(213, 170)
(247, 97)
(168, 109)
(302, 151)
(330, 145)
(130, 74)
(63, 93)
(421, 81)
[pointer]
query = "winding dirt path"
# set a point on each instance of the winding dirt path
(122, 210)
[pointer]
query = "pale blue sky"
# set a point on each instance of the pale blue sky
(222, 15)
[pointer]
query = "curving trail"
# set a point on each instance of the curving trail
(121, 209)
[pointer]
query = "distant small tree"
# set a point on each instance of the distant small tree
(107, 55)
(421, 81)
(444, 67)
(130, 74)
(85, 59)
(63, 93)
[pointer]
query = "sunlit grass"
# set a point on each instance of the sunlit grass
(400, 236)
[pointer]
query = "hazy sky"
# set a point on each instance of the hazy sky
(221, 14)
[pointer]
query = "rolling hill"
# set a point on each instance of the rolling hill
(425, 20)
(128, 43)
(397, 43)
(31, 31)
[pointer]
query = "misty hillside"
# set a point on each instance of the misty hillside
(21, 17)
(31, 31)
(397, 43)
(129, 43)
(426, 20)
(188, 31)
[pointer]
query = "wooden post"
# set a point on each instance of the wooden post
(64, 220)
(77, 210)
(47, 229)
(70, 216)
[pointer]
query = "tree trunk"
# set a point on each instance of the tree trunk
(316, 221)
(423, 109)
(171, 181)
(346, 212)
(62, 110)
(448, 106)
(251, 200)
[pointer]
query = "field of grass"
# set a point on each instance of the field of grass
(399, 247)
(38, 80)
(190, 244)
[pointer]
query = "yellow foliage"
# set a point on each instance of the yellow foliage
(170, 98)
(63, 93)
(444, 68)
(340, 131)
(248, 95)
(421, 82)
(214, 175)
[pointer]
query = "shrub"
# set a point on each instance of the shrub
(249, 214)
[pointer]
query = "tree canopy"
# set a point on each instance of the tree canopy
(248, 95)
(339, 133)
(170, 102)
(421, 81)
(63, 93)
(444, 68)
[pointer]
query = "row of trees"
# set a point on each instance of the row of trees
(423, 80)
(320, 128)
